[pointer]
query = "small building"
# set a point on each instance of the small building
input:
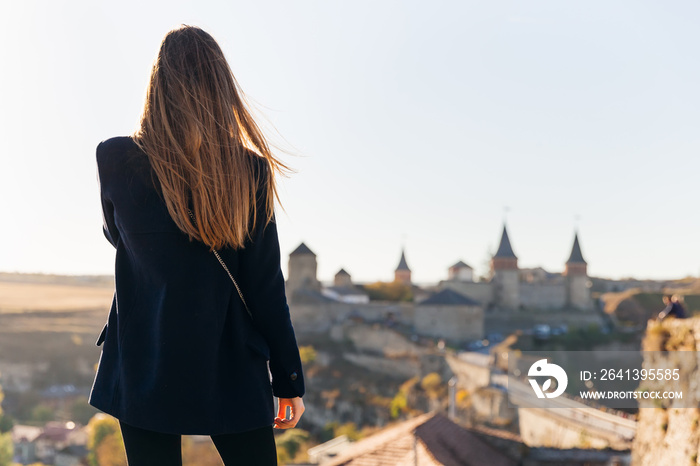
(460, 272)
(430, 439)
(23, 438)
(344, 290)
(344, 294)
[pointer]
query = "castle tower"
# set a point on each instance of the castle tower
(505, 276)
(402, 273)
(302, 270)
(576, 273)
(342, 279)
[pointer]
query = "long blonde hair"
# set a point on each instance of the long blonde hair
(202, 142)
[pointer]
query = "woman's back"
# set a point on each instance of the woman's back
(181, 354)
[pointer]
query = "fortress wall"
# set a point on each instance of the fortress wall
(542, 295)
(317, 317)
(380, 340)
(320, 316)
(456, 323)
(480, 291)
(377, 311)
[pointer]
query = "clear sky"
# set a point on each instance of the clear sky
(417, 124)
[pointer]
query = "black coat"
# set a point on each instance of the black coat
(181, 354)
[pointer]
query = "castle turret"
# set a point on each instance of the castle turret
(342, 278)
(576, 273)
(505, 276)
(302, 270)
(402, 273)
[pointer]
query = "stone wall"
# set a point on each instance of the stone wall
(451, 322)
(320, 316)
(386, 342)
(543, 295)
(480, 291)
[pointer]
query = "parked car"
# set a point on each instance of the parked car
(541, 331)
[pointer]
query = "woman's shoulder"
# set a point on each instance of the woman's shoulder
(114, 151)
(116, 144)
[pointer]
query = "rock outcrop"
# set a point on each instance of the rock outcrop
(667, 430)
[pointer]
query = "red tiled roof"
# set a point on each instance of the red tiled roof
(432, 437)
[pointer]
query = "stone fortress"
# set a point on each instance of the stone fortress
(511, 288)
(455, 309)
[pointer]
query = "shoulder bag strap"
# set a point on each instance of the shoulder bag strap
(223, 264)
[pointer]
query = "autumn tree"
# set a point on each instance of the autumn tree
(105, 442)
(389, 291)
(289, 444)
(307, 354)
(6, 447)
(432, 385)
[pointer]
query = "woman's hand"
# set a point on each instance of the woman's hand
(297, 405)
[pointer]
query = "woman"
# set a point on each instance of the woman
(184, 352)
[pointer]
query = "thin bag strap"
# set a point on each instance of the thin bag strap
(223, 264)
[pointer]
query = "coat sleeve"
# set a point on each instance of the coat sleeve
(108, 226)
(262, 281)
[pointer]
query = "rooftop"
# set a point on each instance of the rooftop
(429, 439)
(449, 297)
(302, 249)
(505, 249)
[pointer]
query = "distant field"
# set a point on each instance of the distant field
(23, 297)
(44, 319)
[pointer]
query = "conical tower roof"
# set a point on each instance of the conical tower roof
(576, 257)
(302, 249)
(505, 249)
(402, 263)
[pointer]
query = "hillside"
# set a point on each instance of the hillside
(634, 307)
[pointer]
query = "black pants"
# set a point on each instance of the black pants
(147, 448)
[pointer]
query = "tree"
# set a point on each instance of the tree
(81, 411)
(432, 385)
(43, 413)
(307, 354)
(6, 423)
(105, 441)
(350, 430)
(6, 447)
(399, 404)
(290, 443)
(389, 291)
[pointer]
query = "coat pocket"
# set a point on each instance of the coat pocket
(256, 342)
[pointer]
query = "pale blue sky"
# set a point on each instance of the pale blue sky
(417, 123)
